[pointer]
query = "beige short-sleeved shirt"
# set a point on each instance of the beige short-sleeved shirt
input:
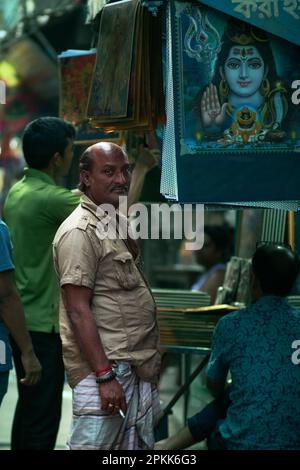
(122, 304)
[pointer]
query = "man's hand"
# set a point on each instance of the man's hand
(13, 316)
(162, 445)
(212, 113)
(147, 159)
(32, 368)
(112, 397)
(148, 152)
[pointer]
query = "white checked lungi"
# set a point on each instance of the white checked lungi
(95, 429)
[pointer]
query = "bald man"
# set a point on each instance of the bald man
(107, 316)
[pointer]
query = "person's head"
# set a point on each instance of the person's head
(275, 268)
(104, 173)
(48, 143)
(216, 246)
(244, 62)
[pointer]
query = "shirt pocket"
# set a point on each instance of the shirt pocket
(126, 271)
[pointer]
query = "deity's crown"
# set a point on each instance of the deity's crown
(245, 36)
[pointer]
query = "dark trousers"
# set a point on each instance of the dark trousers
(3, 384)
(38, 409)
(203, 425)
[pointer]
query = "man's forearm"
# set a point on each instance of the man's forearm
(146, 160)
(13, 316)
(180, 440)
(137, 183)
(87, 337)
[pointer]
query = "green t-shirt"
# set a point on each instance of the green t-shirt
(34, 209)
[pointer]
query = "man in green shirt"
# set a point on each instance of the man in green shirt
(34, 209)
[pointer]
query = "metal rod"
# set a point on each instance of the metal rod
(184, 387)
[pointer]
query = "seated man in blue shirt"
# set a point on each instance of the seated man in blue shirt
(12, 320)
(256, 346)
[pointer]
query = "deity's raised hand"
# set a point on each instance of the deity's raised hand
(212, 113)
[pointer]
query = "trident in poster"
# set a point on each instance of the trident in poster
(202, 41)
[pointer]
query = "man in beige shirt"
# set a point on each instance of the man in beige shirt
(107, 316)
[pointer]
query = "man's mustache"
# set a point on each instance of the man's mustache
(123, 187)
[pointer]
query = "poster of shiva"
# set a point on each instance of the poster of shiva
(236, 85)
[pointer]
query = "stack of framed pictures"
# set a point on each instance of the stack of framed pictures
(75, 77)
(126, 91)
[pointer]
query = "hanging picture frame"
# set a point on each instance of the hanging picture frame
(230, 113)
(88, 135)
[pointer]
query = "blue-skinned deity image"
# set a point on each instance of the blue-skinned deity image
(242, 98)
